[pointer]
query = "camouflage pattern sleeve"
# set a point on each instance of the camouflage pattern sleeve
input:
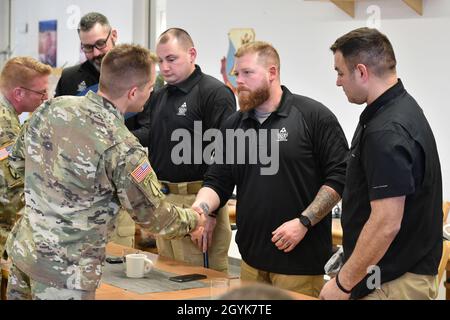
(9, 129)
(17, 156)
(9, 125)
(11, 196)
(11, 185)
(139, 193)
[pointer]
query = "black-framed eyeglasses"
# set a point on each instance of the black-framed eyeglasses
(99, 44)
(42, 93)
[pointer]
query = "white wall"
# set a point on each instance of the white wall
(141, 14)
(26, 15)
(303, 31)
(4, 31)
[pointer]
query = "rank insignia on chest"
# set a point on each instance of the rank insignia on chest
(5, 152)
(141, 171)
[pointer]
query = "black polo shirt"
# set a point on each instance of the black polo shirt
(312, 152)
(79, 79)
(75, 80)
(393, 153)
(199, 98)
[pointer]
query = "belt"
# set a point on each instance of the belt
(181, 187)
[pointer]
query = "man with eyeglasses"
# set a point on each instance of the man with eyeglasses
(23, 87)
(97, 38)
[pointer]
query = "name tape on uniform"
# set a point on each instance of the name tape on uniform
(141, 171)
(5, 152)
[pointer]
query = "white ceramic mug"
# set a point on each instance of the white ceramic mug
(137, 265)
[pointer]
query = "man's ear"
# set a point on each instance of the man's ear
(114, 35)
(362, 72)
(132, 93)
(18, 93)
(273, 73)
(193, 54)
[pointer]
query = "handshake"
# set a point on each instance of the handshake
(202, 234)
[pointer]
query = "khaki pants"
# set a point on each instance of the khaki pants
(410, 286)
(185, 250)
(124, 230)
(308, 285)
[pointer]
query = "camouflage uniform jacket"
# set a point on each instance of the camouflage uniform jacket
(11, 187)
(80, 164)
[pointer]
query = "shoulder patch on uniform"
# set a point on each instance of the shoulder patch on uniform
(5, 151)
(141, 171)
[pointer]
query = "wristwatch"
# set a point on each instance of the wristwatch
(304, 220)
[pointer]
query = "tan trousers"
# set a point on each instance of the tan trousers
(304, 284)
(124, 230)
(185, 250)
(410, 286)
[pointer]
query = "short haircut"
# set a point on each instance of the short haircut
(21, 71)
(89, 20)
(267, 54)
(124, 67)
(369, 47)
(181, 35)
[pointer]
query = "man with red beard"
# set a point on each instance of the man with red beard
(283, 218)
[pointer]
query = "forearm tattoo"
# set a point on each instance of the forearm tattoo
(205, 208)
(324, 201)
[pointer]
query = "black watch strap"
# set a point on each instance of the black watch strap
(304, 220)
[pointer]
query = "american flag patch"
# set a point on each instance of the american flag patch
(5, 152)
(142, 171)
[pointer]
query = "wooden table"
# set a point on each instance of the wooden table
(447, 275)
(110, 292)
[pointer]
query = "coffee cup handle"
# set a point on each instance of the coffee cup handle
(148, 265)
(446, 230)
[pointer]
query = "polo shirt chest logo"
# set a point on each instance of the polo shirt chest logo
(182, 110)
(282, 135)
(82, 86)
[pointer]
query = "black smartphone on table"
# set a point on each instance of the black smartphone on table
(114, 260)
(188, 277)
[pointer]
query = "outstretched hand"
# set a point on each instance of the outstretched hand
(197, 233)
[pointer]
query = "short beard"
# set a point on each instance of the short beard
(254, 98)
(97, 62)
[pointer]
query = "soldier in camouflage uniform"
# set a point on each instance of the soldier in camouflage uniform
(97, 37)
(80, 165)
(23, 87)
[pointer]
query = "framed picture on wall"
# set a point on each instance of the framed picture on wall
(48, 42)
